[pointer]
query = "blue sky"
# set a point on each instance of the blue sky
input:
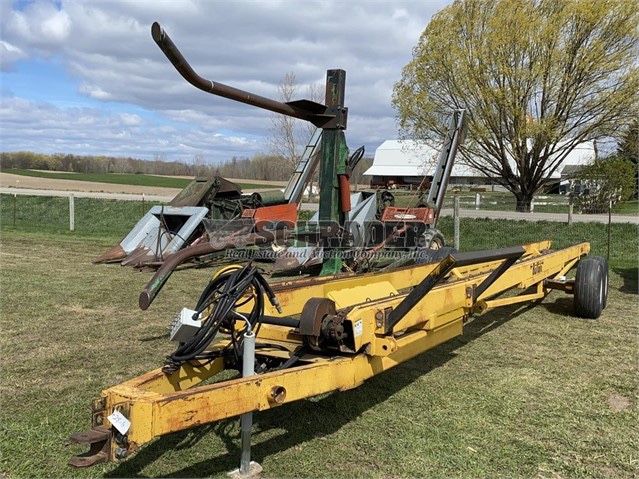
(48, 81)
(86, 77)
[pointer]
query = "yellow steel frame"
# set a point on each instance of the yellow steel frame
(159, 404)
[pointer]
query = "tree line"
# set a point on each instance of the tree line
(258, 167)
(91, 164)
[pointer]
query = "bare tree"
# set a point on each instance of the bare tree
(289, 135)
(199, 167)
(283, 139)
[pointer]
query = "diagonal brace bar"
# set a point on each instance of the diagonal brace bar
(509, 255)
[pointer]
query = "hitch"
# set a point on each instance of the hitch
(99, 441)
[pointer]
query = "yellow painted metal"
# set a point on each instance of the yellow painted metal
(292, 295)
(567, 267)
(446, 302)
(225, 269)
(182, 380)
(158, 404)
(362, 294)
(484, 305)
(153, 414)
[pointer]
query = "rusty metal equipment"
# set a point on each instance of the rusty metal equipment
(165, 231)
(344, 220)
(426, 209)
(181, 225)
(330, 117)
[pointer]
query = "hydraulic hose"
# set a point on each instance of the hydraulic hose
(218, 302)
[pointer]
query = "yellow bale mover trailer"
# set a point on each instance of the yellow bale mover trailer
(312, 336)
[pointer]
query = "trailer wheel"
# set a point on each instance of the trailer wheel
(432, 240)
(590, 282)
(604, 264)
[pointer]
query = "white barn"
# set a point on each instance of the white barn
(406, 162)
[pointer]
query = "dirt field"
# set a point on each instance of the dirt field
(239, 180)
(33, 182)
(9, 180)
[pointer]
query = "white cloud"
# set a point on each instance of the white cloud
(9, 54)
(95, 92)
(40, 25)
(29, 125)
(130, 119)
(56, 27)
(107, 46)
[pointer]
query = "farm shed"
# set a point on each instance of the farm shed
(406, 162)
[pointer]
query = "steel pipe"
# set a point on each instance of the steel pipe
(184, 68)
(171, 262)
(246, 420)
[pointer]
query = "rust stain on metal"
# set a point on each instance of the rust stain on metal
(99, 441)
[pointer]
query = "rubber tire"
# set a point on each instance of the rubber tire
(437, 241)
(432, 238)
(588, 290)
(604, 265)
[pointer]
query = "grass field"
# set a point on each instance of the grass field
(49, 214)
(524, 393)
(486, 234)
(630, 207)
(118, 178)
(114, 218)
(504, 201)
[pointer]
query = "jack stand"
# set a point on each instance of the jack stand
(248, 469)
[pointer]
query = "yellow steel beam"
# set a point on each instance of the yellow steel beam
(153, 414)
(448, 301)
(292, 302)
(484, 305)
(158, 404)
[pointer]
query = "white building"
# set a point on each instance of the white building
(406, 162)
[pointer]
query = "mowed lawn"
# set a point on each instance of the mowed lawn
(529, 392)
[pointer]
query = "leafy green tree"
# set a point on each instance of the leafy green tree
(629, 144)
(537, 77)
(609, 180)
